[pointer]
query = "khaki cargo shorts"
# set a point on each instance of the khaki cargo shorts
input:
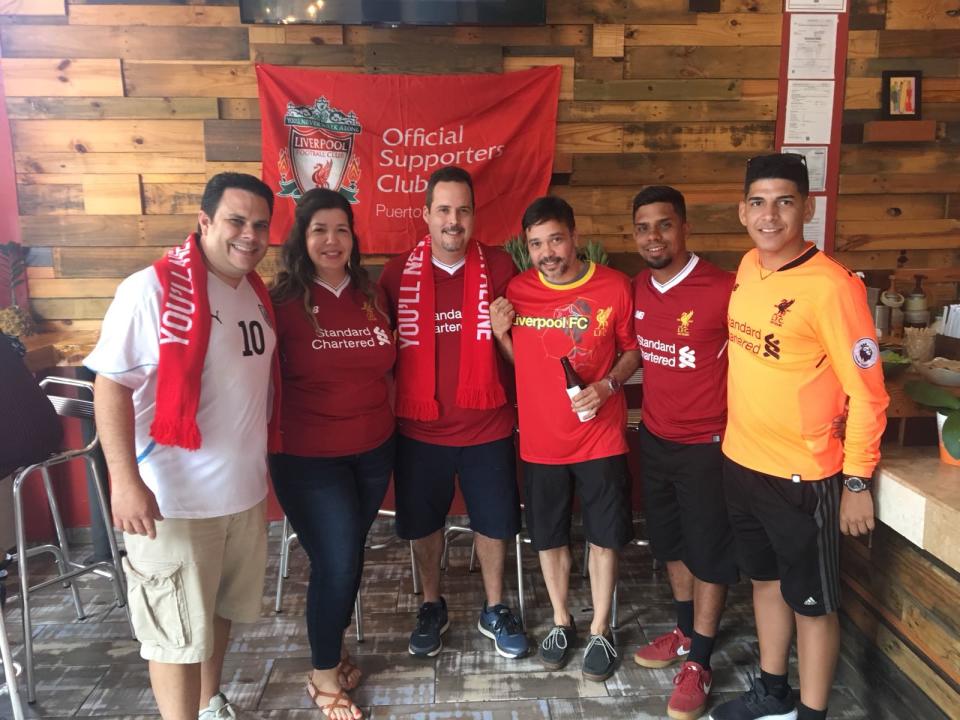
(193, 570)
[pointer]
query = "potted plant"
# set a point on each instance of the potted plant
(947, 407)
(15, 320)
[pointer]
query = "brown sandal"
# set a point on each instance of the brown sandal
(345, 670)
(340, 699)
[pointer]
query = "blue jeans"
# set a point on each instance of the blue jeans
(331, 504)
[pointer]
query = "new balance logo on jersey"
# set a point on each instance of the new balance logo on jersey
(638, 314)
(687, 357)
(771, 346)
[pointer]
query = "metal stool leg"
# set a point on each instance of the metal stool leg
(119, 581)
(284, 572)
(10, 671)
(23, 575)
(520, 594)
(414, 572)
(473, 556)
(358, 616)
(65, 562)
(614, 622)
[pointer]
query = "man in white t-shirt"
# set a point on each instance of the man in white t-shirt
(193, 519)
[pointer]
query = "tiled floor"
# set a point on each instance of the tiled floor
(92, 668)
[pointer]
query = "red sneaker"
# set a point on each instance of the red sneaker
(664, 650)
(689, 698)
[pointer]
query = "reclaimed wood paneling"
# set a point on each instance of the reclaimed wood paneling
(608, 40)
(155, 15)
(51, 8)
(108, 163)
(120, 110)
(736, 29)
(107, 136)
(657, 89)
(687, 61)
(664, 111)
(913, 595)
(151, 79)
(106, 108)
(127, 43)
(23, 77)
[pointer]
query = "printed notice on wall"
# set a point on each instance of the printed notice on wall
(815, 230)
(813, 46)
(809, 112)
(816, 5)
(816, 164)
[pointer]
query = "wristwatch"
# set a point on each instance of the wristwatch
(856, 484)
(614, 384)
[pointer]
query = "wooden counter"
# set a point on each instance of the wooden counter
(902, 586)
(919, 497)
(62, 348)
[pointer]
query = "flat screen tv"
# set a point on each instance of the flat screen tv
(395, 12)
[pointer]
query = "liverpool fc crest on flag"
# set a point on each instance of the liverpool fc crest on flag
(319, 151)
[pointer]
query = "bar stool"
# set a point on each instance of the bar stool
(68, 568)
(10, 669)
(288, 537)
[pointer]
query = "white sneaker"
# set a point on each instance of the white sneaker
(219, 709)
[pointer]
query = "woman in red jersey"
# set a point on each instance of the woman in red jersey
(337, 352)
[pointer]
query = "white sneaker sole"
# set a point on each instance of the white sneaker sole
(792, 715)
(486, 633)
(432, 653)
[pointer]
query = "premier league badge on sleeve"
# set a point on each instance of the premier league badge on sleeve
(865, 353)
(319, 152)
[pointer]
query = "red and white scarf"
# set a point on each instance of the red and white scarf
(184, 337)
(478, 382)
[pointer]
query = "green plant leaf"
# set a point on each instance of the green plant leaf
(931, 395)
(951, 434)
(516, 245)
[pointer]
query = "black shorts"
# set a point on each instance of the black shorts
(603, 487)
(788, 531)
(685, 509)
(424, 484)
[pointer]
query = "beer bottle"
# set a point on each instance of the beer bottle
(574, 386)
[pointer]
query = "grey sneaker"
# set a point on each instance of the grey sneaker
(432, 623)
(219, 709)
(599, 659)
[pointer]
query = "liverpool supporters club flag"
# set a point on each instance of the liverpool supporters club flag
(377, 139)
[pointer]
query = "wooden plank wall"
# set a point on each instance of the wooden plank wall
(904, 601)
(119, 112)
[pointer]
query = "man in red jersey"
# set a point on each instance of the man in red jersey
(803, 350)
(680, 311)
(452, 410)
(568, 308)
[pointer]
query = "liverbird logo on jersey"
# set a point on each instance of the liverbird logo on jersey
(319, 151)
(603, 319)
(782, 307)
(685, 319)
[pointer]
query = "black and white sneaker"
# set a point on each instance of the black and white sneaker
(555, 647)
(599, 659)
(757, 704)
(432, 623)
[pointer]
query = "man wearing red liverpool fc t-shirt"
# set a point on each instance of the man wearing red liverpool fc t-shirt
(565, 308)
(452, 410)
(680, 309)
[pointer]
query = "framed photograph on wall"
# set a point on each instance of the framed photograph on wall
(900, 99)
